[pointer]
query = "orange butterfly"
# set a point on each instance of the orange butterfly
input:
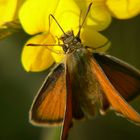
(83, 83)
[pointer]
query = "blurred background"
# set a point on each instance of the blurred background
(18, 88)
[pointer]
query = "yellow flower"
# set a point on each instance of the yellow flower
(102, 11)
(37, 58)
(34, 17)
(123, 9)
(9, 10)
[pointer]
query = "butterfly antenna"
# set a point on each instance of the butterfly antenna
(56, 23)
(80, 26)
(50, 16)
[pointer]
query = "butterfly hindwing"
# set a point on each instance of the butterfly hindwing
(113, 96)
(49, 106)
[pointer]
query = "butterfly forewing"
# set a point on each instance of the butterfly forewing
(125, 78)
(49, 105)
(114, 98)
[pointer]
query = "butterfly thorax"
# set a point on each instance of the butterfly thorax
(85, 88)
(70, 42)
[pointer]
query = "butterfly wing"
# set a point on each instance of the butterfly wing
(112, 94)
(48, 107)
(124, 77)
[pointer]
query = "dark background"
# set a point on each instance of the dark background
(17, 89)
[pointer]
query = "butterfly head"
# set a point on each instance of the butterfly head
(70, 42)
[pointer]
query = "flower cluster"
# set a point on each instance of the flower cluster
(34, 18)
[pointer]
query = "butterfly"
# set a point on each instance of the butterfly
(82, 84)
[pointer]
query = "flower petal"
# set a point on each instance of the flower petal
(37, 58)
(95, 40)
(124, 9)
(67, 14)
(98, 17)
(34, 15)
(59, 56)
(8, 10)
